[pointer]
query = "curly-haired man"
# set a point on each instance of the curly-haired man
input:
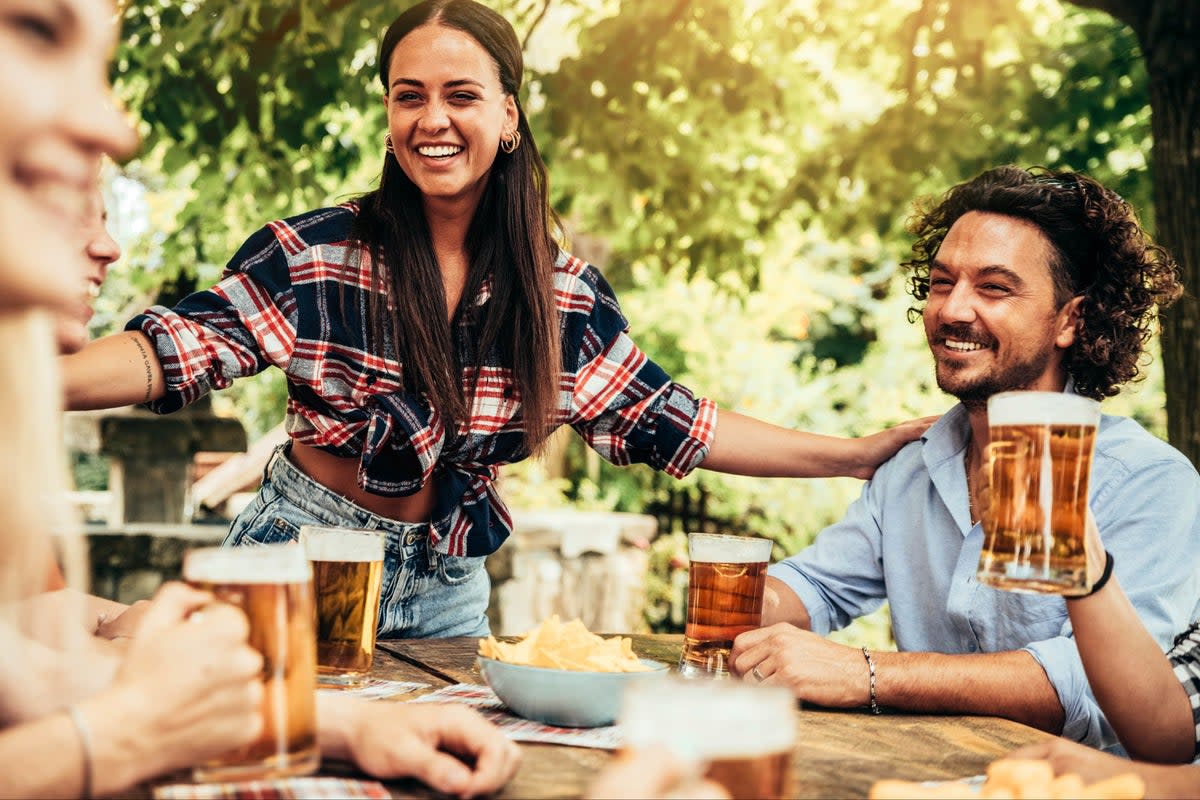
(1026, 279)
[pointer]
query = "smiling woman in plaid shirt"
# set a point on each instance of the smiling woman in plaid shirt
(432, 331)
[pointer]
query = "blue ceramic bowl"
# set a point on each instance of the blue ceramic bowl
(566, 698)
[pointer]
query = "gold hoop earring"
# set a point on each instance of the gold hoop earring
(511, 142)
(387, 143)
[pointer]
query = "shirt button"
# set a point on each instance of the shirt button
(971, 647)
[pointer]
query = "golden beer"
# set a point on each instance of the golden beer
(347, 579)
(272, 585)
(744, 734)
(753, 777)
(1039, 464)
(725, 597)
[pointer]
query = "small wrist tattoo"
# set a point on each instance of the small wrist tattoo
(146, 366)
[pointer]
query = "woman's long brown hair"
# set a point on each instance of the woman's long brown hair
(510, 239)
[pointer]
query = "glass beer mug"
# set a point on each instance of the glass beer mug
(347, 567)
(272, 584)
(725, 597)
(1039, 464)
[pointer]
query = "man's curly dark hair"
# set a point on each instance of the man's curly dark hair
(1099, 251)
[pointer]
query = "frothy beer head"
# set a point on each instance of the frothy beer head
(342, 544)
(714, 548)
(707, 720)
(281, 563)
(1041, 408)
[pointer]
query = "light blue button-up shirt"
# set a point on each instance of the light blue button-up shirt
(908, 539)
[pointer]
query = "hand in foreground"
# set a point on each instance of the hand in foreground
(1067, 756)
(1161, 780)
(811, 666)
(655, 774)
(452, 748)
(877, 448)
(123, 625)
(188, 688)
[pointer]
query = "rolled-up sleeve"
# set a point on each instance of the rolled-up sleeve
(624, 405)
(1149, 520)
(839, 577)
(239, 327)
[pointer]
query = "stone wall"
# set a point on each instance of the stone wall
(590, 565)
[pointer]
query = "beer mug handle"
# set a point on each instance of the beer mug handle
(987, 478)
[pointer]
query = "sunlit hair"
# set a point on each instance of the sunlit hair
(1098, 251)
(510, 240)
(39, 524)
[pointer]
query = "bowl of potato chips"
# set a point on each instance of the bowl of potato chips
(563, 674)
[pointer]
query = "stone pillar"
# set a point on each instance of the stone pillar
(150, 459)
(590, 565)
(150, 473)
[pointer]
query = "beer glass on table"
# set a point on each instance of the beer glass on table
(272, 584)
(740, 735)
(347, 567)
(725, 597)
(1039, 464)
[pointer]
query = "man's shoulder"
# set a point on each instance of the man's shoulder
(901, 468)
(1124, 445)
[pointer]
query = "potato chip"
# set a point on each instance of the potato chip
(569, 646)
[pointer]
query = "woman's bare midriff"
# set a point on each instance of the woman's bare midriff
(341, 475)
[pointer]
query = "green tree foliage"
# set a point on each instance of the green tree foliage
(741, 170)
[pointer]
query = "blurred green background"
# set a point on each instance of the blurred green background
(741, 170)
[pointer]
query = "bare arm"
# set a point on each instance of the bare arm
(1134, 684)
(747, 446)
(118, 370)
(781, 604)
(1009, 684)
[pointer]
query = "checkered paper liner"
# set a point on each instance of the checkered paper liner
(376, 688)
(518, 728)
(278, 789)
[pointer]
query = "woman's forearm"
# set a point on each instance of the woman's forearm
(746, 446)
(1134, 684)
(118, 370)
(51, 758)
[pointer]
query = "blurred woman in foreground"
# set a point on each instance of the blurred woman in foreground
(82, 716)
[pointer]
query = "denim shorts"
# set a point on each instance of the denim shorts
(425, 593)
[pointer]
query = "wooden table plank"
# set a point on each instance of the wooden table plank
(840, 753)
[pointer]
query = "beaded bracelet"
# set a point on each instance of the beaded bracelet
(85, 744)
(871, 669)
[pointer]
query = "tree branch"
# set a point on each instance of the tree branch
(534, 25)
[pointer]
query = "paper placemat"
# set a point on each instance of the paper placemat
(278, 789)
(519, 729)
(376, 688)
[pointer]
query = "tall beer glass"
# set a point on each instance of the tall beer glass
(725, 598)
(741, 735)
(347, 570)
(272, 584)
(1039, 463)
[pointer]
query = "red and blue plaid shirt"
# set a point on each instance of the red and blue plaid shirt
(295, 297)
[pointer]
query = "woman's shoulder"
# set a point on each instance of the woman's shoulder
(282, 241)
(574, 277)
(327, 225)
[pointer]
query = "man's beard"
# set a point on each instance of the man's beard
(974, 393)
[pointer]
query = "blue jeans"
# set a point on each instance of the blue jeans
(425, 593)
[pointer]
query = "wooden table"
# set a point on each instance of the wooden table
(839, 755)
